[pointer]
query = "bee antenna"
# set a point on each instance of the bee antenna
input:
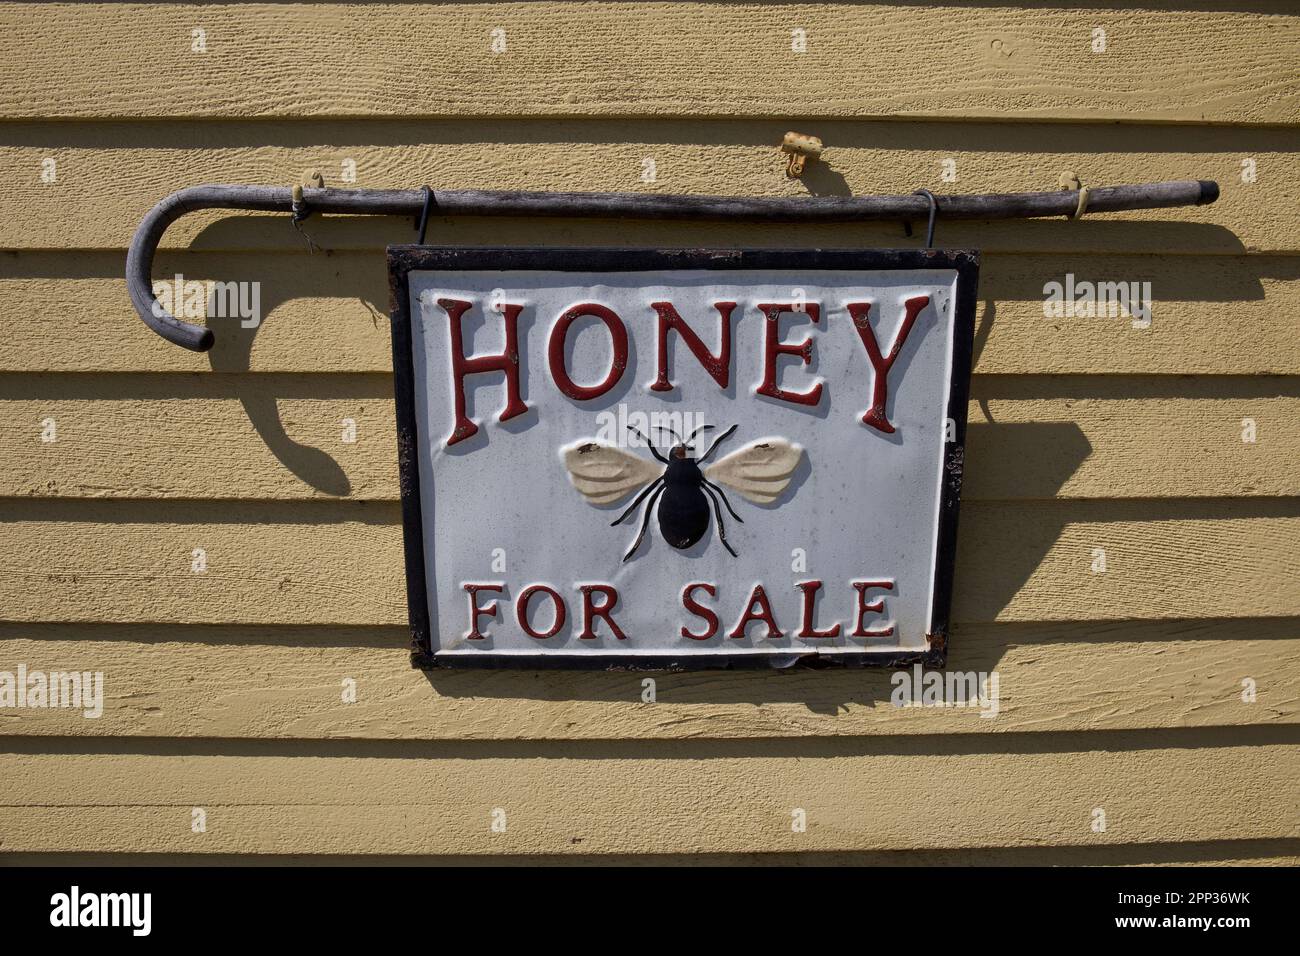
(718, 441)
(649, 444)
(696, 432)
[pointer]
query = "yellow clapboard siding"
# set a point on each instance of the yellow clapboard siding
(1278, 852)
(1211, 315)
(341, 563)
(271, 437)
(260, 436)
(647, 59)
(674, 797)
(94, 205)
(241, 682)
(1125, 562)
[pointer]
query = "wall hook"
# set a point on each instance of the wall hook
(429, 202)
(311, 179)
(801, 148)
(1070, 180)
(934, 214)
(299, 211)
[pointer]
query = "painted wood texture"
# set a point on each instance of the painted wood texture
(287, 437)
(1120, 689)
(288, 683)
(1190, 853)
(110, 174)
(634, 797)
(1211, 315)
(341, 563)
(568, 58)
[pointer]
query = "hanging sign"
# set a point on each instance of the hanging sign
(673, 459)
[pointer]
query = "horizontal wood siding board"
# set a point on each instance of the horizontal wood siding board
(642, 59)
(1210, 315)
(281, 437)
(1275, 852)
(245, 682)
(320, 562)
(672, 797)
(110, 174)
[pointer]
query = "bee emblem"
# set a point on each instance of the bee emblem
(681, 488)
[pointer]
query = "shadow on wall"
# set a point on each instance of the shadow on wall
(311, 465)
(1047, 454)
(326, 275)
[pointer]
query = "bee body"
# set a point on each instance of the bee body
(681, 493)
(683, 510)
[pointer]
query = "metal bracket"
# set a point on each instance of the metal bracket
(801, 148)
(934, 214)
(476, 202)
(429, 202)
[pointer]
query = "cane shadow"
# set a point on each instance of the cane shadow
(282, 280)
(309, 464)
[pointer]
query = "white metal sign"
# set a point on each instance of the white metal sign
(676, 459)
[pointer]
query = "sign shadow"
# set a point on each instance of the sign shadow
(1048, 453)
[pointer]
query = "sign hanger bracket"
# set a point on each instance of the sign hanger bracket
(419, 203)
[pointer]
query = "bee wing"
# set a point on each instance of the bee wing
(604, 473)
(760, 471)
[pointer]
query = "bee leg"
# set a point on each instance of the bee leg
(723, 495)
(722, 530)
(645, 522)
(637, 500)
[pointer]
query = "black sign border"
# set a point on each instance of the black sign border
(402, 260)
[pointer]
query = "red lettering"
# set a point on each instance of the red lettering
(605, 610)
(560, 335)
(718, 366)
(773, 347)
(875, 416)
(461, 366)
(689, 602)
(475, 612)
(810, 589)
(764, 614)
(521, 610)
(876, 607)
